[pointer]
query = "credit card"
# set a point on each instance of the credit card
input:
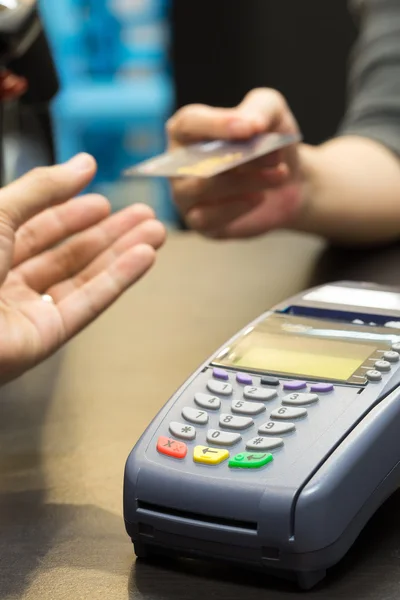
(207, 159)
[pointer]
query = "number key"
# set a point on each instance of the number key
(274, 428)
(207, 401)
(193, 415)
(222, 438)
(300, 399)
(247, 408)
(219, 387)
(286, 413)
(232, 422)
(254, 393)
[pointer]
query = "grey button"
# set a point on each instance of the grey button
(396, 347)
(274, 428)
(180, 430)
(219, 387)
(207, 401)
(383, 365)
(200, 417)
(300, 399)
(263, 443)
(247, 408)
(231, 422)
(269, 380)
(374, 375)
(391, 356)
(222, 438)
(285, 413)
(255, 393)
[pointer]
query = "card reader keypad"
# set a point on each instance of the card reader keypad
(239, 421)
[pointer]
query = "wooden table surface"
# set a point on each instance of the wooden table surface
(67, 427)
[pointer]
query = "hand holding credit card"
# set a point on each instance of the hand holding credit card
(207, 159)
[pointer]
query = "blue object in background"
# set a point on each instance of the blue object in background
(116, 90)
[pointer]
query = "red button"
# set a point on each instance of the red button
(171, 447)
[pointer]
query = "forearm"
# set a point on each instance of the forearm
(351, 188)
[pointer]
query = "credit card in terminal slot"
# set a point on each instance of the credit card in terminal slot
(211, 158)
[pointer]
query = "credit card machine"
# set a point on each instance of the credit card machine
(276, 452)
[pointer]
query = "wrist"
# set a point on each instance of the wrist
(306, 183)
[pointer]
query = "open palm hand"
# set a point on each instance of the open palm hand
(63, 262)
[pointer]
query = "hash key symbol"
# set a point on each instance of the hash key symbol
(258, 441)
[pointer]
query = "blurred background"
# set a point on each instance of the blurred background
(126, 65)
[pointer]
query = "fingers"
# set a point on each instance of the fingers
(209, 220)
(191, 192)
(150, 232)
(199, 122)
(250, 216)
(41, 188)
(70, 258)
(56, 224)
(261, 110)
(84, 304)
(12, 86)
(270, 109)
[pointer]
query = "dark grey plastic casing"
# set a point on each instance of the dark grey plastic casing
(298, 516)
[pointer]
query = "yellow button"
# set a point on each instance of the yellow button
(209, 456)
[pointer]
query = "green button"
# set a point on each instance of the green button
(250, 460)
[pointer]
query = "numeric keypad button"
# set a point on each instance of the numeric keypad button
(262, 443)
(244, 379)
(222, 438)
(182, 431)
(255, 393)
(383, 365)
(241, 407)
(286, 413)
(300, 399)
(276, 428)
(269, 380)
(220, 374)
(294, 386)
(219, 387)
(373, 375)
(207, 401)
(193, 415)
(227, 421)
(391, 356)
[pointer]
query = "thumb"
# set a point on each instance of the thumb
(268, 109)
(44, 187)
(39, 189)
